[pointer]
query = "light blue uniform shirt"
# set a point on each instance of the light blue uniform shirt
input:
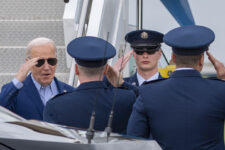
(141, 80)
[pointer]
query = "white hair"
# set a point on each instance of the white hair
(37, 42)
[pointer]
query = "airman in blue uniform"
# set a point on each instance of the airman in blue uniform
(92, 95)
(146, 45)
(185, 111)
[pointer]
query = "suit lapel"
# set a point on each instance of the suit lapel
(33, 95)
(60, 86)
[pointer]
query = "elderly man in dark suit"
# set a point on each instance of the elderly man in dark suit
(185, 111)
(92, 96)
(27, 95)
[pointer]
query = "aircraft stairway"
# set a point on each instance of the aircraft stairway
(106, 19)
(22, 21)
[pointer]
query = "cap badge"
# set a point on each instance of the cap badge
(144, 35)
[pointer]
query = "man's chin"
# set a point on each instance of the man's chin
(146, 69)
(46, 82)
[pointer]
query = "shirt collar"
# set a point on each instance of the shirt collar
(184, 69)
(141, 79)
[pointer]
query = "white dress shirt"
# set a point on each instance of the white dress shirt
(141, 80)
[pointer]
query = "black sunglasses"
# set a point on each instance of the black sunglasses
(147, 51)
(51, 61)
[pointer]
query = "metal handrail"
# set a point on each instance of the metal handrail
(139, 14)
(81, 28)
(114, 37)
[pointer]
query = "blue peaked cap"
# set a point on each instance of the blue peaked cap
(144, 39)
(90, 51)
(189, 40)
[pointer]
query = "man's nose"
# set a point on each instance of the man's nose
(46, 65)
(145, 54)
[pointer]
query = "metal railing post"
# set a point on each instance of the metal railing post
(79, 34)
(139, 16)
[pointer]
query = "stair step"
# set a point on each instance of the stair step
(12, 57)
(23, 20)
(31, 9)
(19, 33)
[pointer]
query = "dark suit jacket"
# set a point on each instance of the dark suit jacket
(183, 112)
(75, 109)
(26, 102)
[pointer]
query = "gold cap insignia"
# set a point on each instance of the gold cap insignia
(144, 35)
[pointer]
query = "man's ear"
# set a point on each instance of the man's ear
(201, 62)
(173, 57)
(76, 69)
(106, 68)
(159, 53)
(134, 54)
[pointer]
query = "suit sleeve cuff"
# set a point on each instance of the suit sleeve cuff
(17, 83)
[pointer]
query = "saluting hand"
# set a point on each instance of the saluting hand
(114, 77)
(25, 69)
(121, 62)
(220, 69)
